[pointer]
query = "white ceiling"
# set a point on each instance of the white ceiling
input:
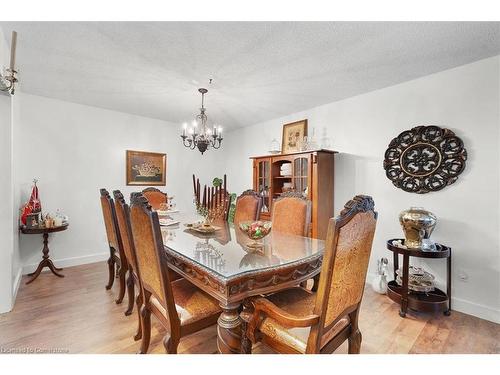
(260, 70)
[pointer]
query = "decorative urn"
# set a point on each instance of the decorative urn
(418, 225)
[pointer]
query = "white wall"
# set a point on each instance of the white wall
(9, 249)
(6, 232)
(73, 150)
(464, 99)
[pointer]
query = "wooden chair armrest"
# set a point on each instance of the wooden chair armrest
(265, 308)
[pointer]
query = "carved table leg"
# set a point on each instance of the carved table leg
(46, 262)
(53, 268)
(229, 329)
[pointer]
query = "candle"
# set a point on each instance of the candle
(220, 132)
(208, 199)
(215, 130)
(184, 128)
(191, 131)
(205, 196)
(13, 50)
(198, 190)
(194, 187)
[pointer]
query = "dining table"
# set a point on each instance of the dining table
(224, 266)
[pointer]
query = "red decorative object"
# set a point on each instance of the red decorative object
(33, 205)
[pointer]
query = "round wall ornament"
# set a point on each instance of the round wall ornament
(424, 159)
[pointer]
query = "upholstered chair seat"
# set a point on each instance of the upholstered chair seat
(297, 302)
(191, 303)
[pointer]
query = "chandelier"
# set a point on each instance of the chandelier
(201, 137)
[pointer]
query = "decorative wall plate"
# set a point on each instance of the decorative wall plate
(424, 159)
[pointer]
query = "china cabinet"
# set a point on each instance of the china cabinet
(309, 172)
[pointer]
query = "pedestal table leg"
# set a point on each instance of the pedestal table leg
(46, 262)
(229, 331)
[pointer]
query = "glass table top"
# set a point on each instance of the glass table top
(225, 252)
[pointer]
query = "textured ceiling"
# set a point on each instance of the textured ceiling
(260, 70)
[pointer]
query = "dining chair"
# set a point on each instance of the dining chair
(116, 255)
(291, 214)
(122, 210)
(301, 321)
(248, 206)
(180, 306)
(155, 197)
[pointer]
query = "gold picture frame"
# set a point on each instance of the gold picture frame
(293, 133)
(146, 168)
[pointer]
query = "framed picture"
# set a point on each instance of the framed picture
(146, 168)
(293, 134)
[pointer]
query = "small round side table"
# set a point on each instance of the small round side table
(46, 261)
(437, 300)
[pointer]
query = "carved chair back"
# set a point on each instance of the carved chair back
(345, 264)
(109, 215)
(292, 214)
(248, 206)
(155, 197)
(123, 220)
(152, 265)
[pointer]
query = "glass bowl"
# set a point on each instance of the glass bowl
(256, 231)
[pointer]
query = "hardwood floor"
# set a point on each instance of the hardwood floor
(77, 315)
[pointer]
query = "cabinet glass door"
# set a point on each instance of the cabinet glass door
(264, 183)
(300, 175)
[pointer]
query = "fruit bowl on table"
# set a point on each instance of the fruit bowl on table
(256, 231)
